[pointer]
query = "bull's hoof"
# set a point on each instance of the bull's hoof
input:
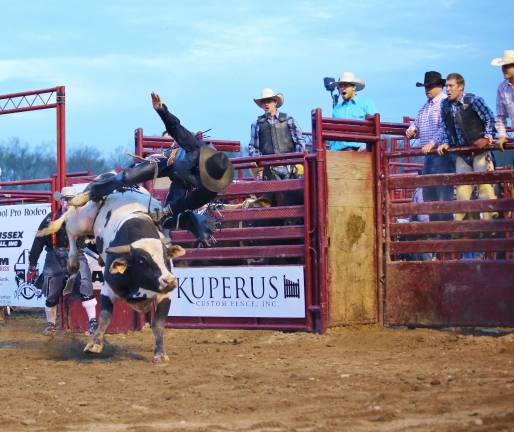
(95, 348)
(72, 265)
(160, 358)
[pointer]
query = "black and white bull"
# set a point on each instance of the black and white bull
(138, 265)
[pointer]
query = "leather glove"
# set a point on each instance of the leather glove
(500, 143)
(102, 188)
(31, 274)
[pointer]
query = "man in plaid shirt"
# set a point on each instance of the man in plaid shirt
(425, 127)
(466, 121)
(274, 132)
(505, 96)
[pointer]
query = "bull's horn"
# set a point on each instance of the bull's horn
(55, 225)
(176, 251)
(118, 249)
(80, 199)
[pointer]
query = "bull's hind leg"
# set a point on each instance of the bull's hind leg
(96, 344)
(161, 313)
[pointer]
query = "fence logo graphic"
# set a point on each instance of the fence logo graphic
(291, 289)
(24, 289)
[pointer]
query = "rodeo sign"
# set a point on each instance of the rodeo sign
(18, 226)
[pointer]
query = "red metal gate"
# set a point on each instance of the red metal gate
(294, 243)
(448, 289)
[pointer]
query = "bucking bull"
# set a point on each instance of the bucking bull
(137, 256)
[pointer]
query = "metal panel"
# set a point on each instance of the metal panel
(442, 293)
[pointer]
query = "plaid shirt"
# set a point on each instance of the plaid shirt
(428, 120)
(296, 135)
(479, 106)
(504, 106)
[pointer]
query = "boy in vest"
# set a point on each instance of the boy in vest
(467, 121)
(274, 132)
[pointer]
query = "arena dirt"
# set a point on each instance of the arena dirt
(351, 379)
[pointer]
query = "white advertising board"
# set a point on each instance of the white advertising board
(18, 226)
(259, 291)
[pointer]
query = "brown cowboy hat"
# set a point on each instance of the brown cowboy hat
(216, 170)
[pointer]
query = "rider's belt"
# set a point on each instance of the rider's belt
(172, 156)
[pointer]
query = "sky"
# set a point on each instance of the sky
(209, 59)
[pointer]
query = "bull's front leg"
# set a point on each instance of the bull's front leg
(96, 344)
(161, 313)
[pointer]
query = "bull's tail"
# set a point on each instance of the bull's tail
(55, 225)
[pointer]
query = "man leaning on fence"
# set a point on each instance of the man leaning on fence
(505, 96)
(466, 121)
(425, 127)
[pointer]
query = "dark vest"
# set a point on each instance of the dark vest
(275, 138)
(470, 123)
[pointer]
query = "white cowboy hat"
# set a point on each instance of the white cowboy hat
(508, 58)
(267, 93)
(66, 192)
(349, 77)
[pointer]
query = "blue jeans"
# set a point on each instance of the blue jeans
(435, 164)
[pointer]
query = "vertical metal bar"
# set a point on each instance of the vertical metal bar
(61, 136)
(307, 240)
(138, 142)
(378, 175)
(321, 169)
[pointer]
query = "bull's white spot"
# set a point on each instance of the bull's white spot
(155, 249)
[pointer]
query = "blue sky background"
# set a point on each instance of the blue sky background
(209, 59)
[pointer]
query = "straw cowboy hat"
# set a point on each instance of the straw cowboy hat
(216, 170)
(67, 192)
(349, 77)
(267, 93)
(508, 58)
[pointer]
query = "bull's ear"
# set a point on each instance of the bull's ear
(263, 202)
(175, 251)
(119, 265)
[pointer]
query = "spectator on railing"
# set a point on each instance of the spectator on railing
(352, 106)
(505, 96)
(425, 127)
(274, 132)
(54, 277)
(467, 121)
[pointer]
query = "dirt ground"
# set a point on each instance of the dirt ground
(350, 379)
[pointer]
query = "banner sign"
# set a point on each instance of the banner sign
(18, 226)
(258, 291)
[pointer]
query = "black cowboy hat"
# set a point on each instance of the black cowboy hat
(432, 78)
(216, 170)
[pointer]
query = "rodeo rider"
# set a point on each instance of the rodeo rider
(197, 173)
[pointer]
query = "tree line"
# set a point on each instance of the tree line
(21, 161)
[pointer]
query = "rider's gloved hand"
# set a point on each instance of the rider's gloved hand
(31, 274)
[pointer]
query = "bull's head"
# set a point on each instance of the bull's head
(146, 263)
